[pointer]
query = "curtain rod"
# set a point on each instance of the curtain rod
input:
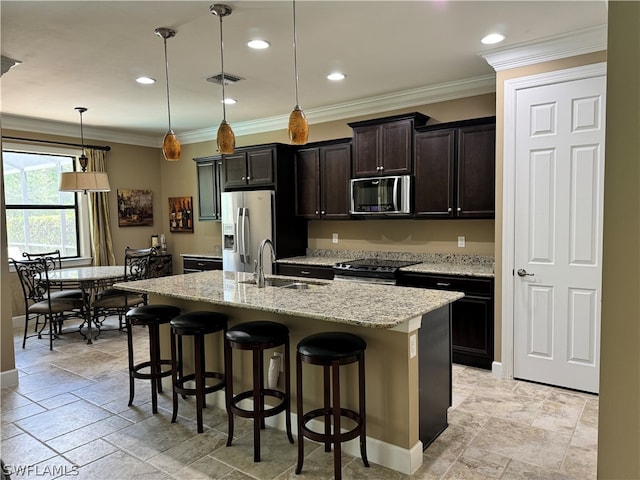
(106, 148)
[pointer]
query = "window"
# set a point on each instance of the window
(39, 217)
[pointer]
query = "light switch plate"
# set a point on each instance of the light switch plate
(461, 241)
(413, 346)
(335, 238)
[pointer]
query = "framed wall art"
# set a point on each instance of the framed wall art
(135, 208)
(180, 214)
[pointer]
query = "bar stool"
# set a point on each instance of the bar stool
(331, 350)
(257, 337)
(196, 325)
(151, 316)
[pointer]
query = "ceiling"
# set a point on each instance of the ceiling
(88, 53)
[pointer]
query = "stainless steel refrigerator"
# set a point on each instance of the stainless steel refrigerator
(247, 219)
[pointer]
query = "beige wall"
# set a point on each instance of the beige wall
(7, 358)
(619, 417)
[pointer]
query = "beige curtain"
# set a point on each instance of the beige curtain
(100, 218)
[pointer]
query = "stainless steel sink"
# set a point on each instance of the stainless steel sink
(287, 283)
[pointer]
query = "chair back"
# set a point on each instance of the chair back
(136, 263)
(34, 279)
(53, 259)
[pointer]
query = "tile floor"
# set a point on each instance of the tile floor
(69, 417)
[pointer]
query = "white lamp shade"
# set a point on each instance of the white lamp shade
(84, 182)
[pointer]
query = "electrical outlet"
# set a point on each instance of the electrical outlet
(279, 354)
(461, 241)
(335, 238)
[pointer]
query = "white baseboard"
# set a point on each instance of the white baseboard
(402, 460)
(496, 369)
(9, 378)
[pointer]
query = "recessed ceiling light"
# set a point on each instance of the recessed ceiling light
(145, 80)
(336, 76)
(230, 101)
(493, 38)
(258, 44)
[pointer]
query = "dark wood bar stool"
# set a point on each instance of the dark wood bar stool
(151, 316)
(196, 325)
(331, 350)
(257, 337)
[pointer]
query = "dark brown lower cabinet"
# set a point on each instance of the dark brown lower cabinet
(302, 270)
(191, 264)
(472, 319)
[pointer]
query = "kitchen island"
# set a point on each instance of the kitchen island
(407, 330)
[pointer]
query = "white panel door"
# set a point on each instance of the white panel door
(559, 183)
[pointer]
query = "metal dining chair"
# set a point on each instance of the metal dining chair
(54, 262)
(112, 301)
(38, 301)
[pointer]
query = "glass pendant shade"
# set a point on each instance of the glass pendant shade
(226, 139)
(298, 127)
(171, 147)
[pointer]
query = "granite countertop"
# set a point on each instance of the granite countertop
(354, 303)
(444, 264)
(217, 256)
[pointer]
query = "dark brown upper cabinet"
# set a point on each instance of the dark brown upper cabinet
(250, 167)
(455, 170)
(322, 180)
(209, 187)
(384, 146)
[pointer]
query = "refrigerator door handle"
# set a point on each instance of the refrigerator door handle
(246, 234)
(240, 226)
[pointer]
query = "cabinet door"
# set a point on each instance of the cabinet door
(335, 166)
(366, 151)
(472, 331)
(396, 152)
(235, 170)
(434, 163)
(308, 183)
(476, 171)
(260, 167)
(208, 189)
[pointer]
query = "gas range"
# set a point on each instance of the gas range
(371, 270)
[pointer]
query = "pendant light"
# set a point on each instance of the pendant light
(170, 143)
(298, 124)
(84, 181)
(225, 138)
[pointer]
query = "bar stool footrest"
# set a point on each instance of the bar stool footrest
(181, 389)
(146, 376)
(267, 412)
(340, 437)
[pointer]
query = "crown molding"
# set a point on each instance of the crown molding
(49, 127)
(579, 42)
(366, 106)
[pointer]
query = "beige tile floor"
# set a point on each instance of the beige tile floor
(69, 417)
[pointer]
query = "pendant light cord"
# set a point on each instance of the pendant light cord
(166, 74)
(83, 158)
(295, 51)
(224, 80)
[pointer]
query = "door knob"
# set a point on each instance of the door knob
(523, 273)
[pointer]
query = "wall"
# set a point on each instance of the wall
(501, 77)
(619, 416)
(8, 375)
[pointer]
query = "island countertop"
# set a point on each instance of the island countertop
(353, 303)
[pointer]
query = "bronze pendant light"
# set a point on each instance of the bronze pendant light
(170, 143)
(83, 181)
(225, 138)
(298, 124)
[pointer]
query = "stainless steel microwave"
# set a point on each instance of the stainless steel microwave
(381, 195)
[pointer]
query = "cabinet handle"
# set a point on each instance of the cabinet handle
(248, 178)
(200, 264)
(443, 284)
(244, 178)
(449, 210)
(304, 272)
(322, 212)
(317, 212)
(459, 209)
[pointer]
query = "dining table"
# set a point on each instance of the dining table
(90, 280)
